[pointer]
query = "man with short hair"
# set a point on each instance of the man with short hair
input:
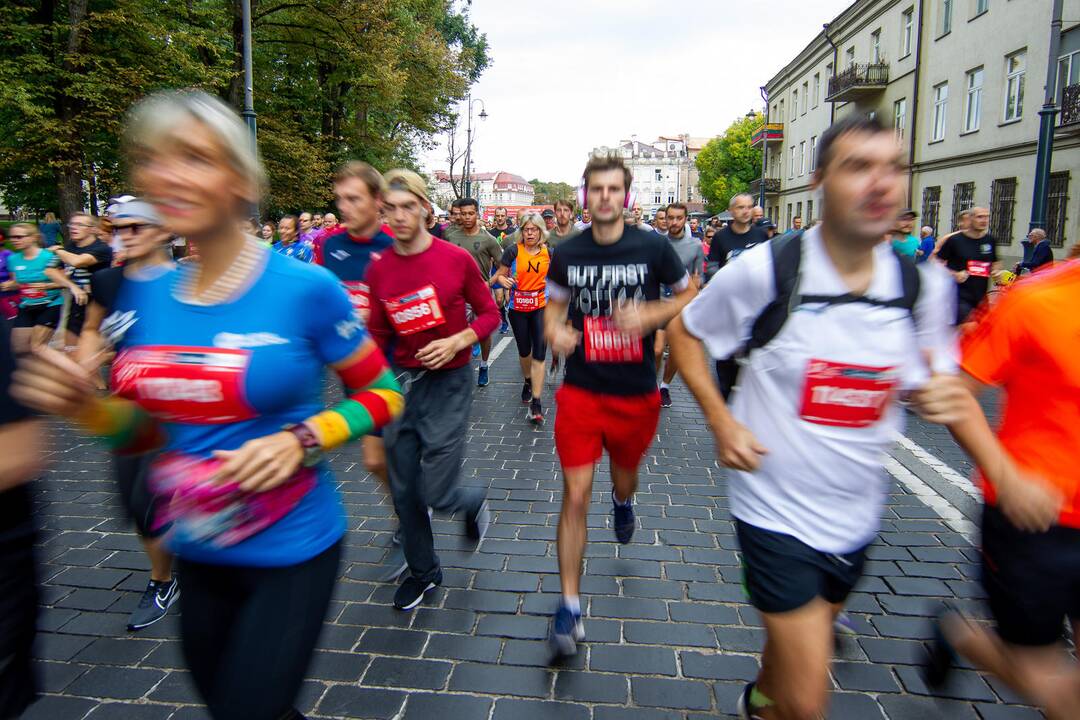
(84, 254)
(603, 306)
(971, 256)
(455, 214)
(1040, 254)
(692, 255)
(487, 253)
(695, 229)
(927, 243)
(307, 229)
(757, 214)
(808, 431)
(732, 240)
(549, 219)
(586, 220)
(419, 289)
(796, 223)
(903, 241)
(317, 222)
(503, 228)
(564, 224)
(660, 222)
(288, 244)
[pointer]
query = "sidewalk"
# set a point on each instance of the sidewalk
(669, 634)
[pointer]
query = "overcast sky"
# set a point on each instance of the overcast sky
(570, 75)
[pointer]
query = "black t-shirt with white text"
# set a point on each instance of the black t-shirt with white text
(728, 245)
(975, 256)
(103, 255)
(592, 276)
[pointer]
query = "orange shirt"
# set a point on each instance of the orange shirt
(530, 275)
(1029, 344)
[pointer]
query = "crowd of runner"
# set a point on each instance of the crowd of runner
(802, 349)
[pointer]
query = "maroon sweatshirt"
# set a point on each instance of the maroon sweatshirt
(419, 298)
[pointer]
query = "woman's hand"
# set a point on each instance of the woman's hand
(505, 281)
(50, 382)
(263, 463)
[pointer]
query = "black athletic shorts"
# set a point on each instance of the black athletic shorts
(131, 473)
(1032, 580)
(38, 315)
(783, 573)
(76, 317)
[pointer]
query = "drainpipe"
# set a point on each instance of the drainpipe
(915, 107)
(764, 149)
(1047, 115)
(835, 60)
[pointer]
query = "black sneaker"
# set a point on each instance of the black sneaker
(476, 525)
(526, 393)
(412, 591)
(154, 604)
(665, 398)
(536, 412)
(624, 520)
(942, 656)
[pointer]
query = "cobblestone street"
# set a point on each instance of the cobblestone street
(669, 633)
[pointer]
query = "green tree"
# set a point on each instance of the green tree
(546, 193)
(728, 164)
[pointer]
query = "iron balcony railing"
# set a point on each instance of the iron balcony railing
(772, 186)
(1070, 105)
(857, 79)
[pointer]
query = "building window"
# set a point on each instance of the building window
(875, 46)
(907, 31)
(817, 89)
(941, 107)
(656, 198)
(794, 105)
(973, 100)
(802, 158)
(791, 171)
(931, 206)
(981, 6)
(809, 213)
(1068, 72)
(1002, 202)
(1057, 202)
(829, 70)
(1015, 67)
(963, 198)
(789, 216)
(781, 119)
(670, 198)
(813, 153)
(946, 17)
(899, 120)
(851, 56)
(659, 174)
(805, 96)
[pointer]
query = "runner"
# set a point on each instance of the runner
(486, 251)
(690, 252)
(732, 240)
(820, 394)
(37, 276)
(523, 271)
(307, 229)
(549, 220)
(84, 254)
(609, 399)
(266, 232)
(146, 249)
(358, 188)
(290, 245)
(257, 523)
(971, 256)
(419, 290)
(903, 238)
(564, 224)
(586, 220)
(9, 292)
(1026, 345)
(503, 228)
(660, 223)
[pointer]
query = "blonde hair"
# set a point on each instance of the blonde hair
(407, 180)
(363, 172)
(32, 227)
(157, 116)
(50, 217)
(536, 219)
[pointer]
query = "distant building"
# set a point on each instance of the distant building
(497, 188)
(664, 170)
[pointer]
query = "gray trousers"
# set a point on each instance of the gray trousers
(424, 449)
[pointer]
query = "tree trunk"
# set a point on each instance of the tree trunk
(69, 166)
(234, 93)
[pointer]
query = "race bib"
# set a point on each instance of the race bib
(359, 294)
(201, 386)
(527, 301)
(415, 312)
(604, 343)
(978, 268)
(29, 293)
(843, 395)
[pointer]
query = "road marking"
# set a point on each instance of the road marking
(939, 466)
(499, 349)
(953, 518)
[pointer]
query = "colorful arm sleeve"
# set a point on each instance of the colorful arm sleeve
(373, 399)
(125, 427)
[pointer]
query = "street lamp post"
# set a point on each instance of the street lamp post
(469, 141)
(1044, 154)
(248, 113)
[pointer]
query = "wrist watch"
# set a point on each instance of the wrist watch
(313, 451)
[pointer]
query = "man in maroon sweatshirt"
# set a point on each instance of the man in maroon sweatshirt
(418, 294)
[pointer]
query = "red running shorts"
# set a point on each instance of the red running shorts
(588, 423)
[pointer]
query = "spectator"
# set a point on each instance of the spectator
(927, 243)
(50, 230)
(1037, 251)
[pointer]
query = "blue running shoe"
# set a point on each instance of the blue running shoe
(624, 519)
(504, 328)
(482, 377)
(476, 350)
(567, 631)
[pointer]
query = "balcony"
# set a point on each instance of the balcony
(768, 133)
(858, 81)
(772, 187)
(1070, 105)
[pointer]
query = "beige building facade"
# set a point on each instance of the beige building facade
(961, 82)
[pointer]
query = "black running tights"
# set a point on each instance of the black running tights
(529, 333)
(249, 632)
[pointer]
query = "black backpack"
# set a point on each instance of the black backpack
(787, 257)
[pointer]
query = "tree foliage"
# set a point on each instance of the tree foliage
(334, 80)
(728, 164)
(548, 192)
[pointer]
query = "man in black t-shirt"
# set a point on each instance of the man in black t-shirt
(20, 453)
(84, 254)
(972, 258)
(603, 309)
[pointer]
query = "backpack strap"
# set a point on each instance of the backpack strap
(786, 259)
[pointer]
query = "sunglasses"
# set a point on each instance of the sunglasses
(19, 237)
(134, 229)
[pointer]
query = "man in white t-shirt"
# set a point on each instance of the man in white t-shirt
(816, 407)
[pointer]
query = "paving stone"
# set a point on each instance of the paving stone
(740, 639)
(962, 685)
(666, 633)
(113, 651)
(864, 676)
(54, 707)
(55, 676)
(513, 626)
(445, 620)
(129, 711)
(537, 653)
(628, 608)
(512, 709)
(425, 706)
(463, 647)
(501, 680)
(361, 702)
(849, 706)
(630, 659)
(407, 673)
(703, 613)
(1007, 712)
(389, 641)
(53, 646)
(506, 581)
(602, 712)
(907, 707)
(715, 666)
(660, 692)
(591, 687)
(482, 600)
(887, 651)
(662, 589)
(338, 666)
(119, 683)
